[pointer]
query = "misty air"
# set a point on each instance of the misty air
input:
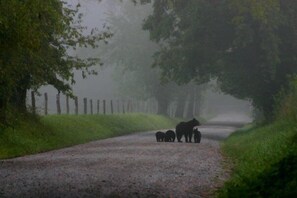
(148, 98)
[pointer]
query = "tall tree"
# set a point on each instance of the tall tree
(132, 51)
(35, 40)
(247, 45)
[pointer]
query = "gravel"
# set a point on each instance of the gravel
(127, 166)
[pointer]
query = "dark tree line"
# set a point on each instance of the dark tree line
(248, 46)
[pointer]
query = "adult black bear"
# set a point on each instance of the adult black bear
(160, 136)
(197, 136)
(169, 136)
(186, 129)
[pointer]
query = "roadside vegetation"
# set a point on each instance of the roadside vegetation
(34, 135)
(265, 157)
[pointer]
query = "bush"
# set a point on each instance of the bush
(265, 157)
(286, 102)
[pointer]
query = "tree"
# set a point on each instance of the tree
(243, 44)
(132, 51)
(35, 42)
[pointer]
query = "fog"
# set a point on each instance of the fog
(127, 73)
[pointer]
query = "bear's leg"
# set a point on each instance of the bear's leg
(186, 137)
(178, 136)
(190, 136)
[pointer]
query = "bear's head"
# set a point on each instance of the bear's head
(195, 122)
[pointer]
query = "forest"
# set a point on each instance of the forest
(247, 47)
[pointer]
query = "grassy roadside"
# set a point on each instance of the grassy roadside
(52, 132)
(265, 161)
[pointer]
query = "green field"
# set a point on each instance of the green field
(265, 161)
(58, 131)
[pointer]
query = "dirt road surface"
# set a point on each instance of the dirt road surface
(127, 166)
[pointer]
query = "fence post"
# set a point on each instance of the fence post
(91, 106)
(67, 104)
(111, 107)
(98, 106)
(58, 104)
(131, 108)
(85, 106)
(33, 102)
(45, 104)
(123, 104)
(104, 107)
(76, 105)
(128, 106)
(118, 106)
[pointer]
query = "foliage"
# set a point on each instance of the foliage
(286, 101)
(132, 52)
(34, 135)
(265, 160)
(36, 38)
(248, 46)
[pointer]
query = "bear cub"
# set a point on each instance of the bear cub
(197, 136)
(160, 136)
(169, 136)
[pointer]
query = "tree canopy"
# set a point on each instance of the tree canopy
(131, 51)
(248, 46)
(36, 38)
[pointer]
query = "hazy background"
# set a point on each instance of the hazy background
(129, 50)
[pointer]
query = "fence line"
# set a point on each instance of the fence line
(111, 106)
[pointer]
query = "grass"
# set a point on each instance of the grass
(265, 161)
(58, 131)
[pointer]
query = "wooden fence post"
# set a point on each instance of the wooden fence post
(67, 104)
(58, 104)
(33, 102)
(45, 104)
(118, 106)
(76, 105)
(104, 107)
(131, 108)
(123, 104)
(91, 106)
(111, 107)
(85, 106)
(128, 106)
(98, 106)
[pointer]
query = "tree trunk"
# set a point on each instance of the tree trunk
(162, 107)
(19, 94)
(190, 110)
(181, 102)
(18, 99)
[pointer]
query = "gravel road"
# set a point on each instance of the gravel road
(127, 166)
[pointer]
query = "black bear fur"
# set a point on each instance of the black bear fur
(169, 136)
(160, 136)
(197, 136)
(186, 129)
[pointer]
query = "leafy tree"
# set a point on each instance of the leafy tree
(247, 45)
(35, 41)
(131, 50)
